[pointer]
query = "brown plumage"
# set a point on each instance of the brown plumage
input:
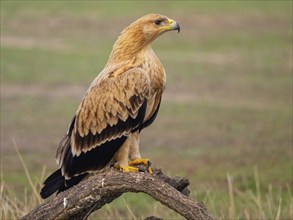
(122, 100)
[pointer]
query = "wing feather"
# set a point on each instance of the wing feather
(108, 101)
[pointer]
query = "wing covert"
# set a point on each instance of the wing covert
(112, 107)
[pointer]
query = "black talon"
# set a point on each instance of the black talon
(149, 165)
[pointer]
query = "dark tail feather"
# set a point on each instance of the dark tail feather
(71, 182)
(57, 183)
(52, 184)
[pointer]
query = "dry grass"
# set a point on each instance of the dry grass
(255, 205)
(12, 207)
(240, 203)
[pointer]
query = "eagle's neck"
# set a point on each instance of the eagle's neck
(132, 49)
(130, 44)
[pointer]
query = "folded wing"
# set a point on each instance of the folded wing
(113, 107)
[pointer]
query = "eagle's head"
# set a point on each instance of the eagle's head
(140, 34)
(151, 26)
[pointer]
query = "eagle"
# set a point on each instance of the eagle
(120, 102)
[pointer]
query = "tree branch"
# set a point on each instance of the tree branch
(93, 193)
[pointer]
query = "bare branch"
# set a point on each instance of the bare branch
(93, 193)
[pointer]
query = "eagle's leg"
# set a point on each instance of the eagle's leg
(122, 156)
(134, 155)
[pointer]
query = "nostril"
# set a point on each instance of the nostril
(171, 21)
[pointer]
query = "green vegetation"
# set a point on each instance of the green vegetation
(225, 120)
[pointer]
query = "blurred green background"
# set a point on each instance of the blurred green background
(227, 107)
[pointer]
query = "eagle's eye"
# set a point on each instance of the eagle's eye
(158, 21)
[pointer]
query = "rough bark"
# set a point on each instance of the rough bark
(93, 193)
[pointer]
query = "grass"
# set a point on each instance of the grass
(246, 202)
(227, 108)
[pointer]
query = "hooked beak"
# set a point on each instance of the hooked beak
(174, 25)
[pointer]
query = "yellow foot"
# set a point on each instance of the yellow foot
(144, 161)
(126, 168)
